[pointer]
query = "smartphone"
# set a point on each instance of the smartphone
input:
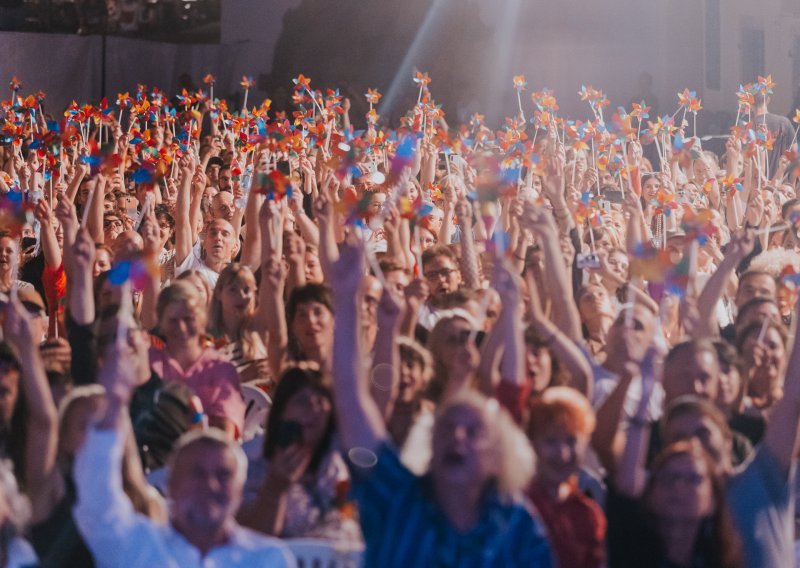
(283, 167)
(289, 432)
(588, 261)
(28, 242)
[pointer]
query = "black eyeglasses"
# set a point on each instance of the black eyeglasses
(441, 273)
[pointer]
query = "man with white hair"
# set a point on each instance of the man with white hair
(205, 484)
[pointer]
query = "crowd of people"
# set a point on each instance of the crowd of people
(565, 343)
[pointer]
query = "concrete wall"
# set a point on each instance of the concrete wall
(560, 45)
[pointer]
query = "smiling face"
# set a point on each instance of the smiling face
(650, 187)
(312, 326)
(238, 295)
(182, 322)
(8, 254)
(204, 488)
(560, 453)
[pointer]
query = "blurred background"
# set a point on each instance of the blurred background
(631, 49)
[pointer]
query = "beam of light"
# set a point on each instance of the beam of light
(505, 35)
(404, 72)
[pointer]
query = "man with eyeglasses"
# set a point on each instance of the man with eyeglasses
(440, 272)
(112, 227)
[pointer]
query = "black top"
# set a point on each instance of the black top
(633, 540)
(57, 541)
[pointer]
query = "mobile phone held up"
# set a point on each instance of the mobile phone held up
(588, 261)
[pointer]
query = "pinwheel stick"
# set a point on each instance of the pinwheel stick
(87, 206)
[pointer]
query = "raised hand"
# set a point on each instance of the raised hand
(347, 272)
(538, 220)
(42, 212)
(17, 328)
(416, 294)
(507, 284)
(83, 252)
(390, 310)
(742, 243)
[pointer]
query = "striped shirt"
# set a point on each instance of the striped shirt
(404, 527)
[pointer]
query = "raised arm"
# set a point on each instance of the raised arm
(506, 338)
(326, 216)
(607, 440)
(152, 285)
(94, 221)
(43, 485)
(183, 226)
(630, 473)
(569, 356)
(273, 281)
(469, 257)
(50, 248)
(783, 428)
(741, 246)
(386, 359)
(357, 415)
(104, 514)
(81, 171)
(565, 312)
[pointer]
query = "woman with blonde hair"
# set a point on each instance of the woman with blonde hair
(237, 325)
(186, 357)
(465, 511)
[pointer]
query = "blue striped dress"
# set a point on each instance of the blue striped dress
(404, 527)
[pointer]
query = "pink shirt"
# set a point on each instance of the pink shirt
(211, 377)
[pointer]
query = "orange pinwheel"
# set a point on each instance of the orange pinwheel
(124, 99)
(247, 82)
(422, 79)
(640, 111)
(796, 115)
(15, 84)
(520, 83)
(766, 83)
(302, 82)
(209, 79)
(373, 96)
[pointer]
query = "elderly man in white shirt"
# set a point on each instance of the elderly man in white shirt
(205, 485)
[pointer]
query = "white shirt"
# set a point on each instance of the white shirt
(193, 261)
(117, 536)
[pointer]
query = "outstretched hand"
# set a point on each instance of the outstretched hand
(347, 272)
